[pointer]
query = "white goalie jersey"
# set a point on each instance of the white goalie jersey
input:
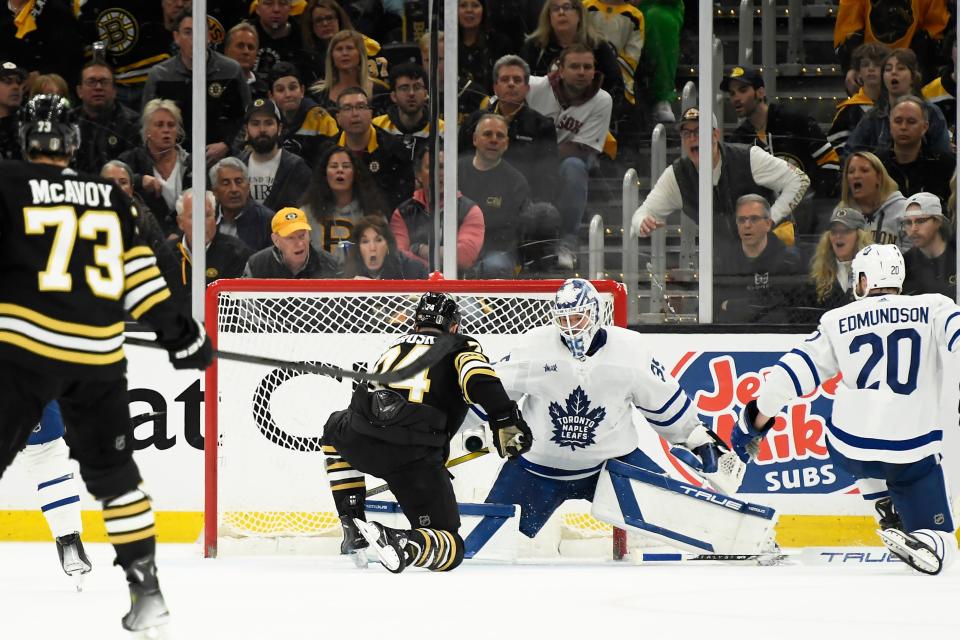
(889, 350)
(580, 412)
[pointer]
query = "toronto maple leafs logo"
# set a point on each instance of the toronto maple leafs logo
(576, 424)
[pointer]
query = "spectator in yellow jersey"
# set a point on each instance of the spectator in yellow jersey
(307, 127)
(621, 24)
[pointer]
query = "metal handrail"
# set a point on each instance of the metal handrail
(631, 200)
(595, 248)
(658, 239)
(688, 97)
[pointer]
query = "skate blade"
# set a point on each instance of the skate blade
(923, 560)
(360, 559)
(78, 580)
(387, 554)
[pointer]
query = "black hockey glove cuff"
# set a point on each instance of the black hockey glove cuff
(511, 435)
(192, 351)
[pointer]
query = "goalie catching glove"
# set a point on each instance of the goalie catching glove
(705, 452)
(192, 351)
(511, 435)
(745, 437)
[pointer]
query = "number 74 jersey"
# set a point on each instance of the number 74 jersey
(71, 267)
(890, 350)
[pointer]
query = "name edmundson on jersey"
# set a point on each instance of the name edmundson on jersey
(79, 192)
(892, 315)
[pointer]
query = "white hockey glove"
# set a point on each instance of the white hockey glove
(511, 435)
(745, 437)
(705, 452)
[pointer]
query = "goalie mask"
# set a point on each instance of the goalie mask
(576, 312)
(47, 128)
(438, 311)
(882, 264)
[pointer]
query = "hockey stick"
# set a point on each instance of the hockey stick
(772, 558)
(440, 348)
(452, 462)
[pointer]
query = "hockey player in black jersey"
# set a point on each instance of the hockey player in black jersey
(72, 267)
(401, 432)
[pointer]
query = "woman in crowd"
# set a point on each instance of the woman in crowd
(868, 188)
(346, 66)
(374, 254)
(830, 267)
(341, 193)
(320, 21)
(48, 84)
(161, 166)
(562, 23)
(480, 46)
(901, 77)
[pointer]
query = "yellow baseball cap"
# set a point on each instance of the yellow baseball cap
(288, 220)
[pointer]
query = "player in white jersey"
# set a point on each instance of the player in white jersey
(580, 388)
(885, 427)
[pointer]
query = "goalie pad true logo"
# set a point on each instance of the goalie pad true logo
(575, 424)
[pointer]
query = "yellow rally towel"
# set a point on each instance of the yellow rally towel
(296, 7)
(25, 21)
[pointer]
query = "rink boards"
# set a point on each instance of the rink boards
(817, 501)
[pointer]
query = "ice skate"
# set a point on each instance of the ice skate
(354, 544)
(73, 558)
(388, 543)
(911, 550)
(888, 517)
(147, 608)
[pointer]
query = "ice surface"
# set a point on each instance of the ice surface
(315, 597)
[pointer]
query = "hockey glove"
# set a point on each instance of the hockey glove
(701, 451)
(511, 435)
(745, 438)
(194, 351)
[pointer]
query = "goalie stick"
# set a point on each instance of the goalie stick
(440, 348)
(452, 462)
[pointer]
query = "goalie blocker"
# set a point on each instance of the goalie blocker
(681, 515)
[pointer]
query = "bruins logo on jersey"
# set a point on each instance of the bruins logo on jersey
(119, 29)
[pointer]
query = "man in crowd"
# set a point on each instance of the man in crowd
(277, 177)
(502, 193)
(279, 37)
(752, 283)
(408, 118)
(793, 136)
(909, 162)
(737, 171)
(291, 256)
(11, 95)
(107, 128)
(932, 260)
(385, 156)
(225, 255)
(533, 137)
(237, 213)
(580, 110)
(241, 44)
(307, 127)
(228, 94)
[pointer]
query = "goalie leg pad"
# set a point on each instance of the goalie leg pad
(682, 515)
(57, 488)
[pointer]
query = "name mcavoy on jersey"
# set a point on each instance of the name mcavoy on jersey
(86, 194)
(884, 316)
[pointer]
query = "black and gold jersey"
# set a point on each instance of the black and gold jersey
(72, 266)
(134, 36)
(462, 378)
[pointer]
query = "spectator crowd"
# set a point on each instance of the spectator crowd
(318, 121)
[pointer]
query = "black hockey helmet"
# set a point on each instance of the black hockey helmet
(437, 310)
(47, 128)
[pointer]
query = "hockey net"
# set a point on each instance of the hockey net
(265, 479)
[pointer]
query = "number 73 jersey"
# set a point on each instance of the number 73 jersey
(890, 350)
(71, 267)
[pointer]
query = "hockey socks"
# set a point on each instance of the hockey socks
(348, 485)
(130, 526)
(433, 549)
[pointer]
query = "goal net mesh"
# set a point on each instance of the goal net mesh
(269, 420)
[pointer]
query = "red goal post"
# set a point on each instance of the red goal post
(262, 461)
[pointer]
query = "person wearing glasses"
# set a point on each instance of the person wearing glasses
(107, 128)
(385, 157)
(932, 262)
(408, 118)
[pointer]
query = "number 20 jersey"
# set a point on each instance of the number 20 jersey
(889, 349)
(71, 267)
